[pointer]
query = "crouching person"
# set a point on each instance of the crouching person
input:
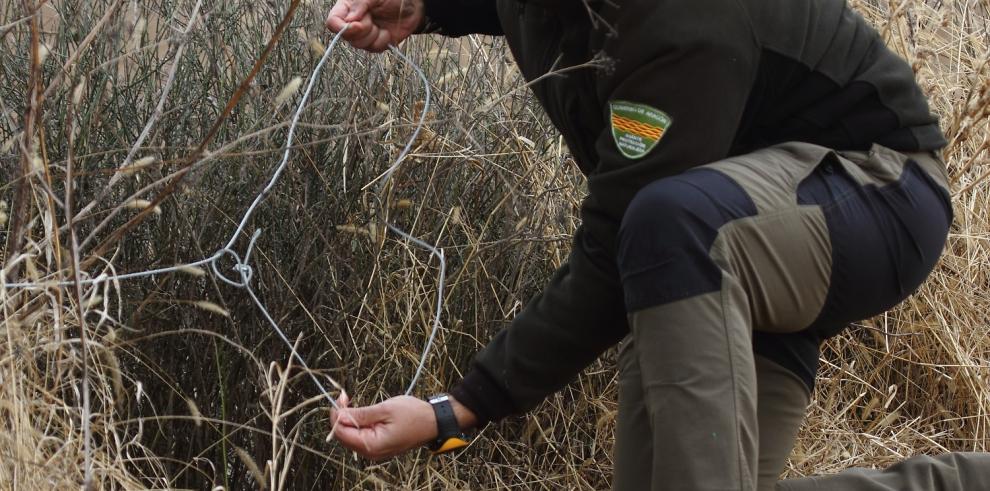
(761, 174)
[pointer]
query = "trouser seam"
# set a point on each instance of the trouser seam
(732, 377)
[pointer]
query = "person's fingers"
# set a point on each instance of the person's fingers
(381, 42)
(357, 28)
(364, 41)
(364, 442)
(364, 30)
(358, 417)
(335, 19)
(366, 416)
(350, 437)
(335, 24)
(342, 401)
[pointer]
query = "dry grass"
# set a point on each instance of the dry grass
(182, 396)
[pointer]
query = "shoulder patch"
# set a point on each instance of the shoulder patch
(637, 128)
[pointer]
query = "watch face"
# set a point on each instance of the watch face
(439, 398)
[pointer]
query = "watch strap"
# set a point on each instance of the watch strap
(449, 435)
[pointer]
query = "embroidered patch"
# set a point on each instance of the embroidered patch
(637, 128)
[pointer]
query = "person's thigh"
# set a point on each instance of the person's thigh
(837, 237)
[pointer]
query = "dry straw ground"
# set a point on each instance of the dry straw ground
(186, 387)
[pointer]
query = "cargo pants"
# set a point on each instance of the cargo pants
(733, 273)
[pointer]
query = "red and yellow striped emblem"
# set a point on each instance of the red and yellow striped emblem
(637, 128)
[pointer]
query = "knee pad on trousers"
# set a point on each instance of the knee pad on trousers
(667, 232)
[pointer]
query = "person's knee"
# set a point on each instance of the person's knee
(665, 235)
(665, 211)
(667, 232)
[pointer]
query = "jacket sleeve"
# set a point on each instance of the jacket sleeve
(578, 315)
(460, 17)
(700, 74)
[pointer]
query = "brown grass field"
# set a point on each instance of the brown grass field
(176, 381)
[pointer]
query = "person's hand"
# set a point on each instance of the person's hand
(375, 24)
(386, 429)
(392, 427)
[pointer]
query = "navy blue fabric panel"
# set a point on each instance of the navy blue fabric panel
(797, 352)
(666, 234)
(885, 240)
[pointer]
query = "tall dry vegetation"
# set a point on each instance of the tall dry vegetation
(186, 385)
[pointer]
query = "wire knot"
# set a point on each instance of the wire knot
(243, 269)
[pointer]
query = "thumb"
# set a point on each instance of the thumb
(364, 416)
(338, 406)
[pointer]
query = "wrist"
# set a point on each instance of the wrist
(449, 428)
(466, 418)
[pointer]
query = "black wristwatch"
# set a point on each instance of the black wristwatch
(449, 435)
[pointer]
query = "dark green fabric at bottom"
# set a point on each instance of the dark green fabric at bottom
(948, 472)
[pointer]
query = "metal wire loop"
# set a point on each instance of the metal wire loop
(242, 266)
